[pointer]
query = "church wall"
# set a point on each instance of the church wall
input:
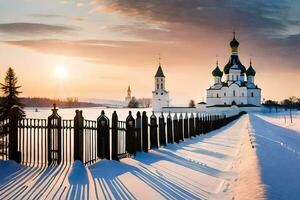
(256, 98)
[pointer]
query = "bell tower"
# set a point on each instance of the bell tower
(160, 96)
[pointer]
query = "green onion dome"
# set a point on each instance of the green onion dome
(250, 71)
(217, 72)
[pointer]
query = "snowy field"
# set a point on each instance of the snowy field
(219, 165)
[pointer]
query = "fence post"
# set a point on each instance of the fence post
(176, 128)
(186, 126)
(138, 128)
(130, 135)
(197, 124)
(162, 130)
(13, 153)
(153, 131)
(169, 129)
(103, 144)
(180, 124)
(145, 131)
(54, 137)
(192, 125)
(78, 136)
(114, 136)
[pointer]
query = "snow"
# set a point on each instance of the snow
(278, 150)
(254, 157)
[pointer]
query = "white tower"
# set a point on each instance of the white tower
(160, 97)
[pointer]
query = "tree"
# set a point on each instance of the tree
(11, 100)
(133, 103)
(192, 104)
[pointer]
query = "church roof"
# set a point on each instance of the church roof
(250, 71)
(217, 72)
(159, 72)
(234, 42)
(234, 59)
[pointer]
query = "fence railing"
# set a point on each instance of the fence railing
(55, 141)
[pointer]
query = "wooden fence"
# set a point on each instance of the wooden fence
(56, 141)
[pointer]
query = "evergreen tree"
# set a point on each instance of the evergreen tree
(192, 104)
(133, 103)
(10, 100)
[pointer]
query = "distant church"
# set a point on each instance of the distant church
(128, 97)
(238, 87)
(160, 96)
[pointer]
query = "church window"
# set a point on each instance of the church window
(217, 95)
(234, 93)
(252, 94)
(224, 94)
(161, 85)
(157, 86)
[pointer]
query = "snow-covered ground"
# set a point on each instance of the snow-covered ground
(220, 165)
(283, 119)
(212, 166)
(278, 150)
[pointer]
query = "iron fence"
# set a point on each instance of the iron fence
(53, 141)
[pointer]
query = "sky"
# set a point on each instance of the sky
(96, 48)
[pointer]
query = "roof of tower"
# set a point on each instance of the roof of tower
(234, 42)
(234, 60)
(159, 72)
(250, 71)
(217, 71)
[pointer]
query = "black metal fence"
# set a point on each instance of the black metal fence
(56, 141)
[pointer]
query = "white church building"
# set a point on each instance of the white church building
(160, 96)
(235, 85)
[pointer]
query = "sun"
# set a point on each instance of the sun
(61, 72)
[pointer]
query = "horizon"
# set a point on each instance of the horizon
(95, 49)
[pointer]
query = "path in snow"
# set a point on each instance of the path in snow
(212, 166)
(278, 150)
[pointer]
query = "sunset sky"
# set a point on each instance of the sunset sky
(96, 48)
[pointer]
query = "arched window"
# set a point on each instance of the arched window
(217, 95)
(234, 93)
(243, 94)
(157, 86)
(224, 94)
(252, 94)
(161, 85)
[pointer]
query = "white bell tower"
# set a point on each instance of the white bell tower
(160, 96)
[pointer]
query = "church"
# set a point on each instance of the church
(235, 85)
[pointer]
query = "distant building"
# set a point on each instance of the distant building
(238, 88)
(160, 96)
(128, 97)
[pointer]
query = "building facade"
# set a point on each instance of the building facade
(160, 96)
(238, 86)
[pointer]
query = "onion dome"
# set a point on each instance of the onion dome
(159, 72)
(234, 60)
(234, 43)
(217, 71)
(250, 71)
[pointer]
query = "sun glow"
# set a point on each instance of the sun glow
(60, 72)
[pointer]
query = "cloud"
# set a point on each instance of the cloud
(33, 28)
